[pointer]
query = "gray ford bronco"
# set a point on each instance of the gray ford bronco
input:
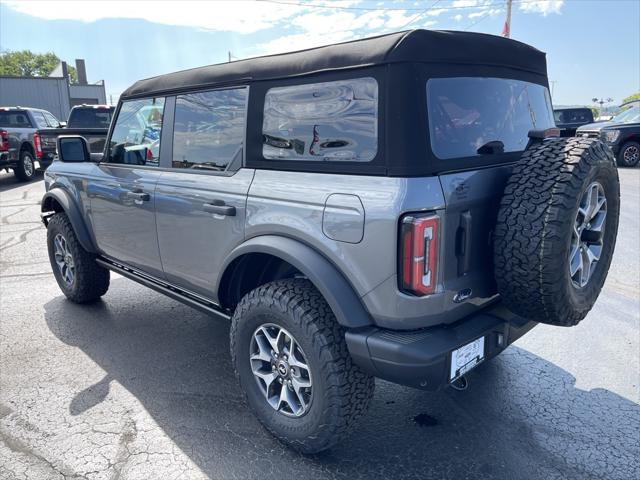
(395, 207)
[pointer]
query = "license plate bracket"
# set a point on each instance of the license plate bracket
(466, 358)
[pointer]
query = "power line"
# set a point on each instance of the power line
(413, 19)
(383, 9)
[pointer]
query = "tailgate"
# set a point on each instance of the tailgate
(472, 200)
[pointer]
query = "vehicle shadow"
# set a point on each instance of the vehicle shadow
(8, 181)
(522, 416)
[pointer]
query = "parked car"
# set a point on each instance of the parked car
(90, 121)
(20, 144)
(622, 134)
(569, 119)
(379, 208)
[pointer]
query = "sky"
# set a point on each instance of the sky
(592, 46)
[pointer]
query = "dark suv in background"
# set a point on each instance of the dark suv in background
(621, 133)
(20, 144)
(569, 119)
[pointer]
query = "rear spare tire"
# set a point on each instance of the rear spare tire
(556, 230)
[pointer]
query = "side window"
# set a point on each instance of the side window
(51, 120)
(209, 130)
(39, 118)
(136, 135)
(331, 121)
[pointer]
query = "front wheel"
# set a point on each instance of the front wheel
(629, 155)
(292, 362)
(78, 275)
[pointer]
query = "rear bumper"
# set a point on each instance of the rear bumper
(421, 358)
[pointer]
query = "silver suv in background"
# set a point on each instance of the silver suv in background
(396, 207)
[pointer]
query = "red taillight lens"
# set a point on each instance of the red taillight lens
(37, 145)
(4, 141)
(419, 254)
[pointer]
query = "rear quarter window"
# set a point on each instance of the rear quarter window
(482, 116)
(329, 121)
(14, 119)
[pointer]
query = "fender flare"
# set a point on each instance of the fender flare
(73, 214)
(334, 287)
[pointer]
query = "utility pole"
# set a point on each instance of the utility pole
(229, 56)
(506, 31)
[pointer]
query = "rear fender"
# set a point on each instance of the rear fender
(337, 291)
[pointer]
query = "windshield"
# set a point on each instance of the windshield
(573, 115)
(628, 116)
(480, 116)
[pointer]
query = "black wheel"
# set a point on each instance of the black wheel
(629, 154)
(78, 275)
(556, 230)
(292, 362)
(25, 169)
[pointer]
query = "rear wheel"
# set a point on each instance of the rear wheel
(629, 154)
(78, 275)
(25, 169)
(292, 362)
(556, 230)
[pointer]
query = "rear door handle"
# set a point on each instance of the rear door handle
(219, 208)
(139, 195)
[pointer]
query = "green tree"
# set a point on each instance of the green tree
(595, 112)
(630, 98)
(25, 63)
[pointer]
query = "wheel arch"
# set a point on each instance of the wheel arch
(58, 200)
(256, 253)
(27, 146)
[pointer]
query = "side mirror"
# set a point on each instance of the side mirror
(62, 125)
(72, 148)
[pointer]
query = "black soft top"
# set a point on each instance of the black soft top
(424, 46)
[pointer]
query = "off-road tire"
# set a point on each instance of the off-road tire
(20, 171)
(629, 146)
(341, 390)
(91, 280)
(535, 225)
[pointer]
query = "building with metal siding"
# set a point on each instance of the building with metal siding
(54, 94)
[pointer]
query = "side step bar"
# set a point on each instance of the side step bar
(192, 300)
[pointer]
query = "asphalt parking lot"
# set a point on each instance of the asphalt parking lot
(139, 386)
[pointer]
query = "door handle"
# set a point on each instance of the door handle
(219, 208)
(139, 195)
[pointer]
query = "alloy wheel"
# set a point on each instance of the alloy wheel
(588, 232)
(64, 259)
(631, 155)
(280, 368)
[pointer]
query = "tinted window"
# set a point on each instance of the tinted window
(573, 115)
(40, 120)
(209, 130)
(15, 119)
(90, 118)
(474, 116)
(51, 120)
(331, 121)
(136, 136)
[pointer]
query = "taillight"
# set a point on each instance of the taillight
(4, 141)
(419, 254)
(37, 145)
